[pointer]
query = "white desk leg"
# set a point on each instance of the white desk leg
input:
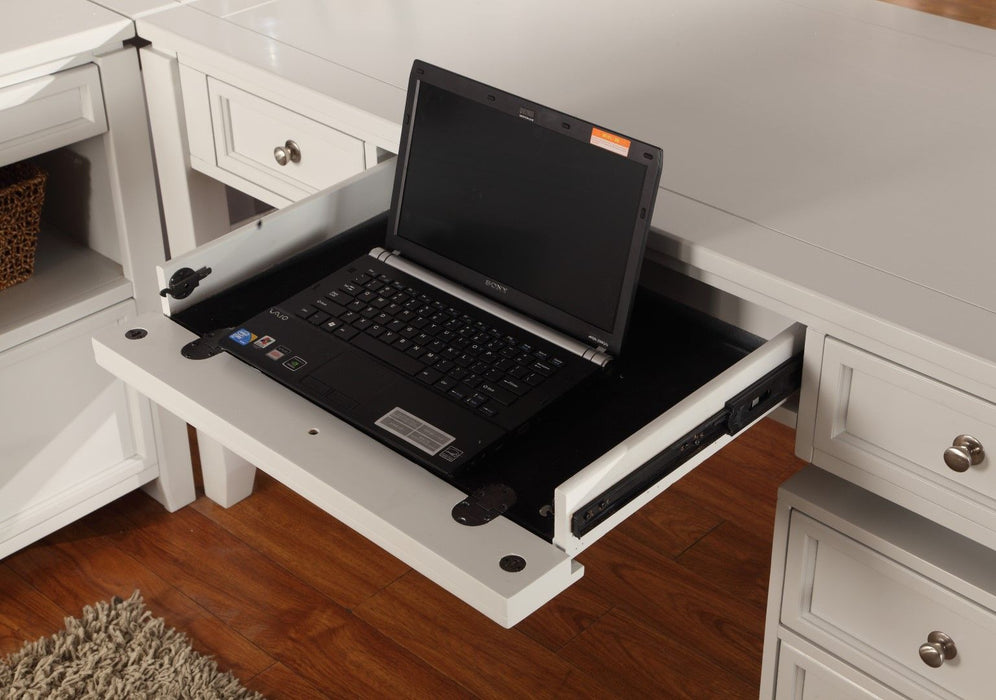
(195, 210)
(175, 486)
(227, 477)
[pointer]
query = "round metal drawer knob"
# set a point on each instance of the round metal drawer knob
(938, 649)
(290, 152)
(965, 451)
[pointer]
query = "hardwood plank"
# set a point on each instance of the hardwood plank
(486, 659)
(298, 535)
(667, 598)
(734, 560)
(281, 683)
(636, 662)
(567, 615)
(25, 614)
(288, 619)
(75, 570)
(981, 12)
(671, 523)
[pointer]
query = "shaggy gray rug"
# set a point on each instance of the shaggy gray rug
(116, 650)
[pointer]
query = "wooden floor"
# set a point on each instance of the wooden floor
(298, 606)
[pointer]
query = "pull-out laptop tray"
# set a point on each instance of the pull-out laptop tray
(502, 534)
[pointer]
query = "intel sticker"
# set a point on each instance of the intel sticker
(242, 336)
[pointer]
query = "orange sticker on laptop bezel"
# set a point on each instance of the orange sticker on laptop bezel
(609, 141)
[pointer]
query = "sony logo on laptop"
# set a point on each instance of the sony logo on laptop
(497, 287)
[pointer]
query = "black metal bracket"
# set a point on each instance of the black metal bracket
(184, 281)
(206, 346)
(484, 505)
(738, 413)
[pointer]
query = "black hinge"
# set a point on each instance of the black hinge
(184, 281)
(206, 346)
(738, 412)
(484, 505)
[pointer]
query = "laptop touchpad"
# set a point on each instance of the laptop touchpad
(355, 375)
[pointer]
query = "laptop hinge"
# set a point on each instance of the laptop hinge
(597, 355)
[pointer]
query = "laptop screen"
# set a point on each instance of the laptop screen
(516, 201)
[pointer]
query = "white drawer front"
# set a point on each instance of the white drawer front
(49, 112)
(806, 673)
(896, 424)
(247, 129)
(875, 613)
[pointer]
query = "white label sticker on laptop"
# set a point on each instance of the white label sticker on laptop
(409, 428)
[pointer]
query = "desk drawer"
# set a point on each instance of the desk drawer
(887, 428)
(875, 613)
(396, 504)
(49, 112)
(248, 130)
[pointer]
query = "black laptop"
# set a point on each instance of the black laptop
(514, 244)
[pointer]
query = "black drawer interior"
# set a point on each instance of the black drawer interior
(671, 350)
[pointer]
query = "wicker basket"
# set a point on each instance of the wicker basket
(22, 192)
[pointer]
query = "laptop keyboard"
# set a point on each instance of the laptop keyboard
(406, 324)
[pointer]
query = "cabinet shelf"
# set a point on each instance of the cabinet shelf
(70, 282)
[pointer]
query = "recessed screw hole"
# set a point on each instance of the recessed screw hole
(313, 431)
(512, 563)
(136, 333)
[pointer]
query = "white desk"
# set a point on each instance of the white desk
(74, 438)
(830, 161)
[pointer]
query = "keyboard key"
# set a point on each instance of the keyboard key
(318, 318)
(542, 368)
(337, 309)
(502, 396)
(361, 323)
(514, 386)
(445, 384)
(556, 362)
(388, 337)
(351, 288)
(456, 393)
(533, 379)
(408, 365)
(445, 365)
(375, 330)
(428, 375)
(340, 297)
(475, 400)
(518, 372)
(488, 410)
(331, 325)
(346, 332)
(306, 311)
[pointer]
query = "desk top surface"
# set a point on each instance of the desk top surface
(820, 152)
(35, 33)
